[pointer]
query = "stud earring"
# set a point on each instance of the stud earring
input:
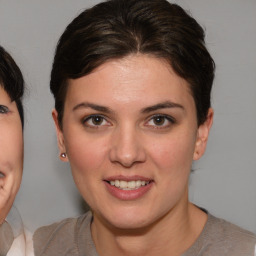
(63, 155)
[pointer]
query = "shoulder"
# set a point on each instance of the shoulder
(220, 237)
(61, 236)
(6, 237)
(229, 230)
(228, 238)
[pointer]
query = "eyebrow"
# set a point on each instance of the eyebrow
(162, 105)
(92, 106)
(166, 104)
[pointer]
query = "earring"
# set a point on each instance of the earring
(63, 155)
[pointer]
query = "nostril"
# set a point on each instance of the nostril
(127, 148)
(127, 161)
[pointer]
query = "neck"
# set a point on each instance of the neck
(173, 234)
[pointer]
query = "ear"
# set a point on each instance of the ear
(202, 135)
(60, 137)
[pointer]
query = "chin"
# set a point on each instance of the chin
(128, 219)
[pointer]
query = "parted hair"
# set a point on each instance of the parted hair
(117, 28)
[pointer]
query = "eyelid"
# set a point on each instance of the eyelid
(170, 119)
(87, 118)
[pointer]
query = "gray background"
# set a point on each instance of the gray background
(224, 180)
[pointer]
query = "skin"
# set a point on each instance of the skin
(11, 157)
(148, 127)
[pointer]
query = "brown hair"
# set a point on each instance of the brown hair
(117, 28)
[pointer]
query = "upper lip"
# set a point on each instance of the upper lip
(127, 178)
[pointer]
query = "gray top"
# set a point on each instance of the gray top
(6, 238)
(73, 237)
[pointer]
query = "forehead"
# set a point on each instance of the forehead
(136, 78)
(3, 94)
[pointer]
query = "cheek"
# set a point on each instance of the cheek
(87, 161)
(174, 155)
(11, 145)
(11, 155)
(85, 155)
(173, 158)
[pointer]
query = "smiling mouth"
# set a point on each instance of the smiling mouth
(128, 185)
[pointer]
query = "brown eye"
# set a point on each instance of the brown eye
(159, 120)
(97, 120)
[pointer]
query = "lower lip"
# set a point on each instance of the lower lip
(128, 194)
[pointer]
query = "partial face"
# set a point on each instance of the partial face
(130, 132)
(11, 153)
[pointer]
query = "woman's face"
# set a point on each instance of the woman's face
(11, 152)
(130, 133)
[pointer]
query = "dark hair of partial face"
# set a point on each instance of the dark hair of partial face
(11, 80)
(117, 28)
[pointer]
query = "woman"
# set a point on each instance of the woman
(132, 82)
(12, 240)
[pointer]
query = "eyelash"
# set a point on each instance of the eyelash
(86, 120)
(104, 122)
(167, 118)
(4, 109)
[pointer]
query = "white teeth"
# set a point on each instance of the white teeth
(131, 184)
(138, 183)
(117, 183)
(128, 185)
(123, 184)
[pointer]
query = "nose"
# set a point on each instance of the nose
(127, 147)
